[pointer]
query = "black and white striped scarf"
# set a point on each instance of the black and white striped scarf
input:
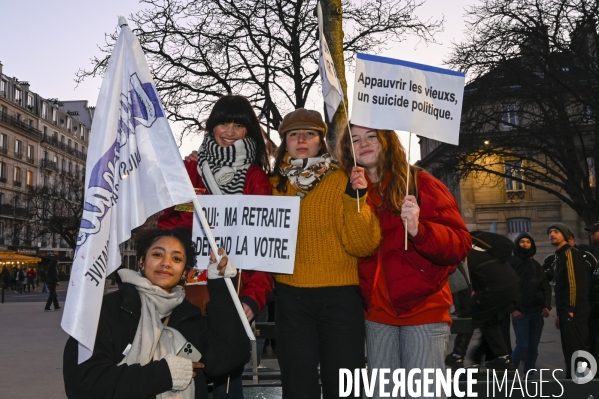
(223, 169)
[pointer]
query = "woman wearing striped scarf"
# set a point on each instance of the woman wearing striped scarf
(232, 160)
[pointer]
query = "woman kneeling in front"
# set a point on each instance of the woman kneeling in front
(145, 324)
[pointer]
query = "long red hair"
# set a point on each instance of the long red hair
(392, 161)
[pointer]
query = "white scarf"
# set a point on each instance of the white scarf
(153, 340)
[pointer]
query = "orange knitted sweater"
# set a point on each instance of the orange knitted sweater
(331, 234)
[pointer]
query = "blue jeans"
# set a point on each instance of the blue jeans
(528, 332)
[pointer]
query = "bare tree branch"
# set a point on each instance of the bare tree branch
(266, 50)
(538, 60)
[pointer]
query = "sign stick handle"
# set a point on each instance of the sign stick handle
(197, 207)
(405, 221)
(238, 280)
(353, 151)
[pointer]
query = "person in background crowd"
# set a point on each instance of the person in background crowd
(463, 306)
(43, 278)
(594, 291)
(406, 293)
(495, 288)
(31, 279)
(52, 282)
(14, 281)
(533, 305)
(144, 325)
(319, 318)
(5, 278)
(21, 280)
(571, 293)
(587, 252)
(234, 142)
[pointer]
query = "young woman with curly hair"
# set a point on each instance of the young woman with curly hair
(405, 293)
(147, 322)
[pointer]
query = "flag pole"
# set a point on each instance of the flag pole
(198, 211)
(353, 151)
(321, 33)
(405, 221)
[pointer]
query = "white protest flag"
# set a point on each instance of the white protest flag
(132, 172)
(401, 95)
(331, 87)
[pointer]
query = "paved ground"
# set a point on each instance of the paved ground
(32, 343)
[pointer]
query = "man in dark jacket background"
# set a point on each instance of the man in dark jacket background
(571, 293)
(52, 282)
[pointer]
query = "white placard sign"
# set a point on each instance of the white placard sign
(259, 232)
(401, 95)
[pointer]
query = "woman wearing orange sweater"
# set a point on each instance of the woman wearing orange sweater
(319, 318)
(406, 293)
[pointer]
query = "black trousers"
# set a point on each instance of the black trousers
(574, 332)
(52, 298)
(490, 312)
(464, 309)
(484, 347)
(318, 326)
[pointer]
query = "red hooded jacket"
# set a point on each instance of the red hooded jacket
(442, 241)
(256, 285)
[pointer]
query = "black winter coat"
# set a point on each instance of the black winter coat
(52, 276)
(571, 281)
(592, 256)
(535, 291)
(219, 336)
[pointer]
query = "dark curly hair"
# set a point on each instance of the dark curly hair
(145, 240)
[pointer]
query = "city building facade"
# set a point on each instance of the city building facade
(43, 142)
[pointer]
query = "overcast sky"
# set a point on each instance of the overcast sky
(46, 42)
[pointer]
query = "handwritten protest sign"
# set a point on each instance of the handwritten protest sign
(401, 95)
(258, 232)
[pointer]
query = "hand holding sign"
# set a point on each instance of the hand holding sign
(357, 178)
(410, 211)
(224, 268)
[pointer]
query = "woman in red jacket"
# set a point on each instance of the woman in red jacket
(406, 293)
(233, 159)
